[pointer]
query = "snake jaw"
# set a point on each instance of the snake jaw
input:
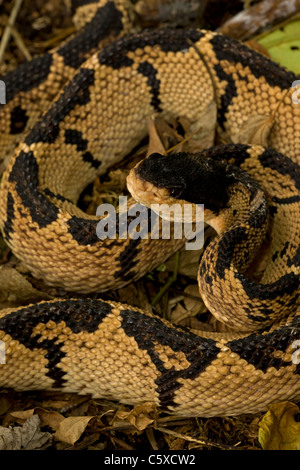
(145, 192)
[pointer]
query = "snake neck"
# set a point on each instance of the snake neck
(237, 208)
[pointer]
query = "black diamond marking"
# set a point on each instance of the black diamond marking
(208, 279)
(18, 120)
(79, 315)
(228, 95)
(25, 174)
(296, 259)
(127, 260)
(74, 137)
(284, 249)
(227, 247)
(169, 40)
(287, 285)
(76, 93)
(107, 20)
(57, 196)
(10, 217)
(258, 349)
(148, 331)
(286, 200)
(234, 52)
(27, 76)
(147, 69)
(83, 230)
(88, 157)
(282, 164)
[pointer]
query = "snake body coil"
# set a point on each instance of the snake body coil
(113, 350)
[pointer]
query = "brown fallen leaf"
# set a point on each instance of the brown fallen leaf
(26, 437)
(179, 314)
(140, 416)
(21, 416)
(70, 429)
(278, 429)
(201, 134)
(48, 418)
(255, 130)
(16, 290)
(188, 263)
(158, 131)
(192, 301)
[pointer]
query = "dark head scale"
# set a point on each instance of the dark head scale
(189, 177)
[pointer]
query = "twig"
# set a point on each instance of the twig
(201, 442)
(260, 16)
(20, 43)
(8, 29)
(170, 281)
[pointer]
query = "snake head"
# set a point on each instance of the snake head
(185, 177)
(163, 172)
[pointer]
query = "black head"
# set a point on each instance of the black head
(189, 177)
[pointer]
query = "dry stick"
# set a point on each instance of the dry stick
(7, 31)
(20, 43)
(251, 21)
(170, 281)
(200, 442)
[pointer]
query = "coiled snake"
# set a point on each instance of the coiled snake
(114, 350)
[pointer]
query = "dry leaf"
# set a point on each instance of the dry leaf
(193, 302)
(179, 314)
(155, 141)
(70, 429)
(201, 134)
(140, 416)
(188, 263)
(48, 418)
(16, 290)
(5, 404)
(22, 416)
(278, 429)
(26, 437)
(255, 130)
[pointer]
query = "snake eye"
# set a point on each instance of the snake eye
(176, 192)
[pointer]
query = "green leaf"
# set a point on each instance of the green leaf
(283, 45)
